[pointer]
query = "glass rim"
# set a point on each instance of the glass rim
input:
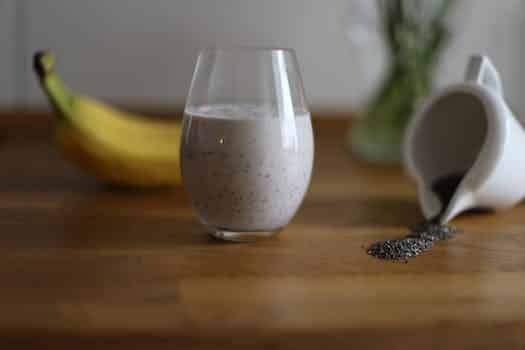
(247, 49)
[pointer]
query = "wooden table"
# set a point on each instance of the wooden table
(85, 266)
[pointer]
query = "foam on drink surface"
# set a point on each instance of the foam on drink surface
(241, 111)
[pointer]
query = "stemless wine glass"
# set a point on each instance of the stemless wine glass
(247, 145)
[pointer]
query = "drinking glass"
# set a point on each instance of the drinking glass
(247, 144)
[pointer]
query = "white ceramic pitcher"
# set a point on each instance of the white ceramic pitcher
(467, 128)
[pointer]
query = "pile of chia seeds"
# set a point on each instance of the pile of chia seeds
(420, 239)
(422, 236)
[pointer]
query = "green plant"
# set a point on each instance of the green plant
(414, 32)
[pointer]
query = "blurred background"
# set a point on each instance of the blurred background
(142, 53)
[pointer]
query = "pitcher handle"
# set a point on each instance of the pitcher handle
(480, 70)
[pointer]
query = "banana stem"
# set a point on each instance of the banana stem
(57, 92)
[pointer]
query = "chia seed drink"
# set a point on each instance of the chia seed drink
(246, 171)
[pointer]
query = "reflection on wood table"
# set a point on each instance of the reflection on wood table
(86, 266)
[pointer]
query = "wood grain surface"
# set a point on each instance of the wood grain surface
(87, 266)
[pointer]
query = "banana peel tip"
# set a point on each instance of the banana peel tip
(43, 62)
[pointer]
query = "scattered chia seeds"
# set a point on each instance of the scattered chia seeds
(423, 235)
(420, 239)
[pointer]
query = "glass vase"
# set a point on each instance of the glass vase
(413, 34)
(378, 134)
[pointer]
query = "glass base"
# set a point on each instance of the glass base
(240, 236)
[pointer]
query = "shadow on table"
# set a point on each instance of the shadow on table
(123, 219)
(378, 212)
(140, 233)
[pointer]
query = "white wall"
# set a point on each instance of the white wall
(7, 53)
(143, 51)
(494, 28)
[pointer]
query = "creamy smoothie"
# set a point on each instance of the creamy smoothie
(246, 170)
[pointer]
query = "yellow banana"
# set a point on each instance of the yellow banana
(116, 146)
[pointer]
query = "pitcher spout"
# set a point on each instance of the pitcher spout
(460, 202)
